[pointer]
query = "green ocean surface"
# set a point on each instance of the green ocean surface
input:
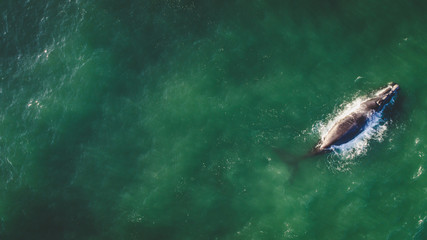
(157, 119)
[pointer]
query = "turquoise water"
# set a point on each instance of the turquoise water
(157, 119)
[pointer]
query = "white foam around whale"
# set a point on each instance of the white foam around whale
(374, 131)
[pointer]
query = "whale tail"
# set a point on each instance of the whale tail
(293, 161)
(287, 157)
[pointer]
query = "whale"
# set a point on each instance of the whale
(351, 125)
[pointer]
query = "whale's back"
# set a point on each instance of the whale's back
(344, 130)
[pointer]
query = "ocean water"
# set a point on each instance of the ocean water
(157, 119)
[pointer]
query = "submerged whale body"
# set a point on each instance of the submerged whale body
(351, 125)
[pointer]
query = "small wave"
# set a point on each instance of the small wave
(346, 153)
(7, 171)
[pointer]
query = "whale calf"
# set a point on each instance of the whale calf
(351, 125)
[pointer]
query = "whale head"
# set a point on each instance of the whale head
(384, 95)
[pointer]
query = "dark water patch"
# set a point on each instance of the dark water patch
(44, 213)
(55, 131)
(27, 27)
(141, 34)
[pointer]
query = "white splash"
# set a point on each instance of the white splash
(358, 78)
(374, 130)
(418, 173)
